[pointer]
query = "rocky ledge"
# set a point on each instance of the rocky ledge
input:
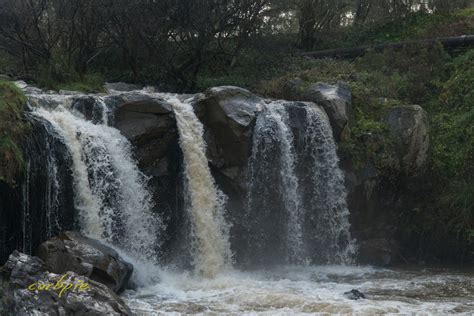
(73, 275)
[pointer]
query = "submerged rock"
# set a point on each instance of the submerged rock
(24, 280)
(70, 251)
(354, 295)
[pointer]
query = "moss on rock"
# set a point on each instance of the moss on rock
(13, 127)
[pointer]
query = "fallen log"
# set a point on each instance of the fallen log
(447, 42)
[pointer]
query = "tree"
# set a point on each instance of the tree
(316, 16)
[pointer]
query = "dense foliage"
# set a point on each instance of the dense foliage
(177, 43)
(12, 128)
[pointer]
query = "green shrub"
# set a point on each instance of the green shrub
(12, 128)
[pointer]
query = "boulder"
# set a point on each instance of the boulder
(28, 89)
(148, 122)
(22, 282)
(70, 251)
(336, 101)
(354, 295)
(138, 114)
(409, 127)
(90, 107)
(228, 114)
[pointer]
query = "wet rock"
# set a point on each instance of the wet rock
(121, 86)
(410, 128)
(89, 107)
(23, 277)
(376, 251)
(336, 101)
(228, 114)
(148, 122)
(70, 251)
(42, 215)
(354, 295)
(28, 89)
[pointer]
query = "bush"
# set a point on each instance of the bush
(12, 128)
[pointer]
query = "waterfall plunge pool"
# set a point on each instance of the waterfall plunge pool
(293, 290)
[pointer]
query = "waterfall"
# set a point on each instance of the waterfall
(110, 192)
(212, 253)
(40, 204)
(296, 203)
(272, 129)
(326, 197)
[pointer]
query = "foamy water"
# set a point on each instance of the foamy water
(307, 290)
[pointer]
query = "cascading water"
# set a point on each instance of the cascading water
(296, 201)
(40, 204)
(111, 196)
(212, 253)
(274, 183)
(327, 219)
(296, 211)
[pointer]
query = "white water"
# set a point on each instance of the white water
(306, 197)
(276, 114)
(111, 195)
(328, 195)
(315, 290)
(212, 253)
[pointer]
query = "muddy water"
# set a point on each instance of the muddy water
(308, 290)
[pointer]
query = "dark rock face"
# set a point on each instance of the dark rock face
(149, 123)
(42, 199)
(335, 99)
(376, 196)
(410, 128)
(228, 114)
(71, 251)
(376, 251)
(89, 107)
(21, 298)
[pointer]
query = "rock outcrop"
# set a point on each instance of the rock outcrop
(70, 251)
(336, 99)
(149, 124)
(409, 126)
(228, 114)
(378, 194)
(23, 282)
